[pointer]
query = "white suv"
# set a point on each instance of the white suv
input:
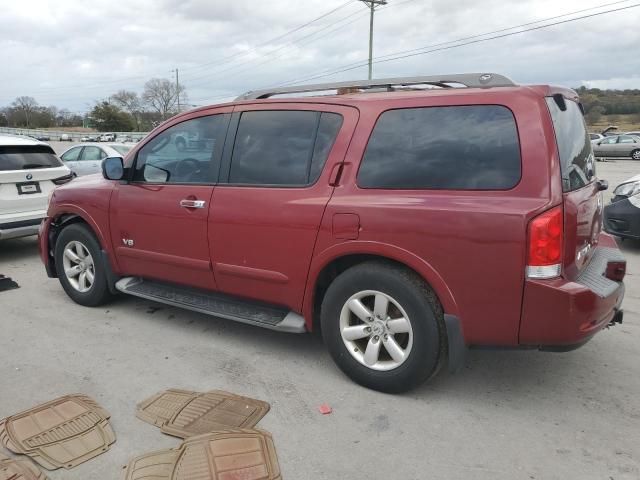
(29, 171)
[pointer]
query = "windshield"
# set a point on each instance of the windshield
(27, 157)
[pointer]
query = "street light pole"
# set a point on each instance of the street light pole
(177, 88)
(372, 4)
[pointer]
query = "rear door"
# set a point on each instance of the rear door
(582, 200)
(626, 144)
(159, 218)
(274, 188)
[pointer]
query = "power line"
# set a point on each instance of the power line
(430, 48)
(204, 65)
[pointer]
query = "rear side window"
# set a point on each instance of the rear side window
(457, 148)
(27, 157)
(574, 147)
(282, 147)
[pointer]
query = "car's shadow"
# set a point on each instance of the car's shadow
(18, 249)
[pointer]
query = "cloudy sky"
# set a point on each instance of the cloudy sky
(71, 53)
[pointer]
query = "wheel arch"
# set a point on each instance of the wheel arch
(333, 261)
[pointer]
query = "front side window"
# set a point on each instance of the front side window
(188, 152)
(458, 148)
(574, 147)
(282, 147)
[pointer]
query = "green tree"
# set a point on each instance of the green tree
(594, 115)
(108, 117)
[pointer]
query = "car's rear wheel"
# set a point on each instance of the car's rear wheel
(635, 155)
(383, 326)
(78, 263)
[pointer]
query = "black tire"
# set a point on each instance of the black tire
(424, 313)
(635, 155)
(98, 293)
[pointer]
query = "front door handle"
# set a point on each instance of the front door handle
(192, 203)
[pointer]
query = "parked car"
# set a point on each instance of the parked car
(124, 138)
(65, 137)
(107, 137)
(89, 138)
(594, 137)
(86, 159)
(42, 137)
(365, 214)
(635, 134)
(29, 171)
(622, 215)
(618, 146)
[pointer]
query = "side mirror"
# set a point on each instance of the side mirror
(602, 185)
(113, 168)
(600, 142)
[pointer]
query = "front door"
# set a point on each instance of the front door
(274, 186)
(159, 218)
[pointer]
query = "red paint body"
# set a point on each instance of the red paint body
(272, 244)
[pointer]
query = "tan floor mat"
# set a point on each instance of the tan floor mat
(239, 454)
(185, 414)
(61, 433)
(15, 469)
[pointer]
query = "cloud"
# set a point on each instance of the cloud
(71, 54)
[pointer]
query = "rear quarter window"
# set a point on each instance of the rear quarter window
(574, 146)
(472, 147)
(27, 157)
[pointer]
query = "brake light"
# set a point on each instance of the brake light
(616, 271)
(544, 259)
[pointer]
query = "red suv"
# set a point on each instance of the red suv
(408, 223)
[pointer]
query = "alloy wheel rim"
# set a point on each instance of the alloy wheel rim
(376, 330)
(79, 267)
(636, 155)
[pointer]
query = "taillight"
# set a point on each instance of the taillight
(544, 259)
(616, 271)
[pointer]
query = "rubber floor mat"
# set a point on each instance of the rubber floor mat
(239, 454)
(184, 414)
(15, 469)
(62, 433)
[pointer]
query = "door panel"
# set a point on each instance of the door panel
(262, 237)
(159, 218)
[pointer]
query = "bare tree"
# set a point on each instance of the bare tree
(26, 105)
(162, 96)
(130, 102)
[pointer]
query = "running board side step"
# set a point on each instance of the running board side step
(215, 304)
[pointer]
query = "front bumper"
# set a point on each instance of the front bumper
(622, 218)
(562, 314)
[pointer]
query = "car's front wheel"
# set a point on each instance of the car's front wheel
(78, 263)
(383, 326)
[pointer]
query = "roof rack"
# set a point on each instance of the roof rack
(478, 80)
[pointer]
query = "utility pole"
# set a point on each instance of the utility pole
(177, 88)
(372, 4)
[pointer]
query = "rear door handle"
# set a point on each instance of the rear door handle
(192, 203)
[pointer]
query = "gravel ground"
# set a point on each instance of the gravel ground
(507, 415)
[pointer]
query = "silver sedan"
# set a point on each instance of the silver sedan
(618, 146)
(86, 158)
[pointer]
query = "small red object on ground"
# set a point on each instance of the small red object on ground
(325, 409)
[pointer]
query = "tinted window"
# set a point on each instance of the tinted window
(574, 147)
(188, 152)
(282, 147)
(460, 148)
(71, 155)
(22, 158)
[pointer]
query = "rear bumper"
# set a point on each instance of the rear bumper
(19, 228)
(561, 315)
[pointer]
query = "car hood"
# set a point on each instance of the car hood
(635, 178)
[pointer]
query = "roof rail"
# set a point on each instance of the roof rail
(478, 80)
